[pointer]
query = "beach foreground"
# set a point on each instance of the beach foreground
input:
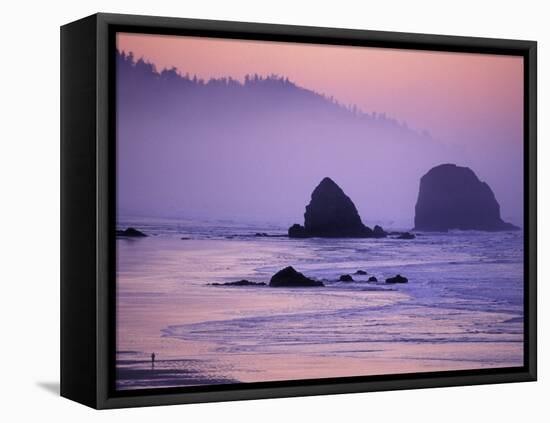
(462, 308)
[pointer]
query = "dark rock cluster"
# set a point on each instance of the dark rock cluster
(397, 279)
(242, 282)
(131, 233)
(345, 278)
(290, 277)
(406, 235)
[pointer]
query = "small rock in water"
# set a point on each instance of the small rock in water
(378, 232)
(290, 277)
(263, 234)
(345, 278)
(397, 279)
(242, 282)
(297, 231)
(130, 232)
(406, 235)
(373, 279)
(360, 272)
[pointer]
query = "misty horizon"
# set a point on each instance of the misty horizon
(326, 137)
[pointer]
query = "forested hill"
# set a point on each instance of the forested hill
(139, 80)
(253, 149)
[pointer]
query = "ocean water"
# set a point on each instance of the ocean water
(461, 309)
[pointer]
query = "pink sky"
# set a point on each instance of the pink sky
(459, 98)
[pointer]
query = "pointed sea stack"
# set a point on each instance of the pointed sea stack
(332, 214)
(452, 197)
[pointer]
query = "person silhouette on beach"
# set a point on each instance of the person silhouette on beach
(153, 360)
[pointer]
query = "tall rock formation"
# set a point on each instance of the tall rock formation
(331, 213)
(452, 197)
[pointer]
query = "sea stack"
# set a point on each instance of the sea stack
(332, 214)
(453, 197)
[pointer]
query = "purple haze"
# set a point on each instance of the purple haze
(255, 151)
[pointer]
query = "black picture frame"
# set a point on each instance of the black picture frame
(88, 218)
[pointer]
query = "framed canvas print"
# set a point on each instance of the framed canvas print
(255, 211)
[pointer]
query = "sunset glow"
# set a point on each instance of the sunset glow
(440, 92)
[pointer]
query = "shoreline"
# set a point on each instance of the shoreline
(192, 372)
(252, 334)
